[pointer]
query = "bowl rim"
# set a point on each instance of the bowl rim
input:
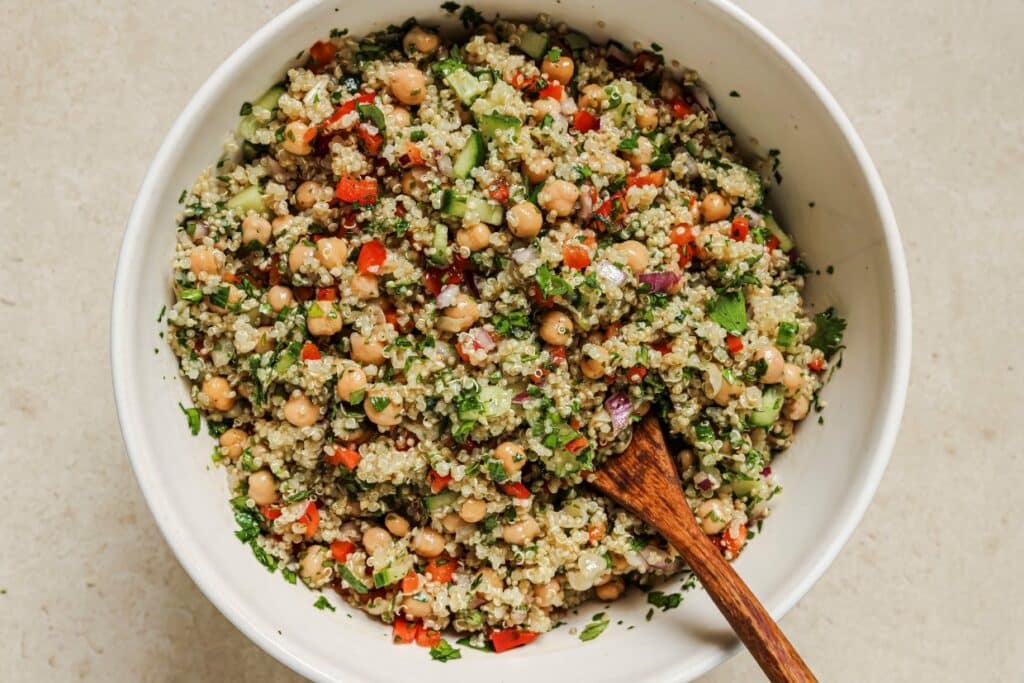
(121, 337)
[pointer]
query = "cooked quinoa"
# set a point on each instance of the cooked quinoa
(430, 286)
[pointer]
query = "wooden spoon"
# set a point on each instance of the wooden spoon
(644, 479)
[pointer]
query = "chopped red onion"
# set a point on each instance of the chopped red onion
(610, 273)
(483, 339)
(521, 397)
(621, 410)
(705, 484)
(525, 255)
(766, 472)
(586, 205)
(446, 297)
(201, 230)
(659, 282)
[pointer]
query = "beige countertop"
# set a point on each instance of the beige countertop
(927, 589)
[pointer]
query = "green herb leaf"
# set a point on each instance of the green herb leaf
(787, 333)
(550, 284)
(515, 324)
(554, 54)
(729, 310)
(444, 652)
(246, 109)
(664, 601)
(476, 642)
(350, 578)
(323, 603)
(288, 575)
(379, 403)
(828, 332)
(191, 295)
(265, 558)
(248, 523)
(594, 629)
(192, 415)
(370, 112)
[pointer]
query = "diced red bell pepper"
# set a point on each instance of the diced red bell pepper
(344, 456)
(575, 256)
(733, 538)
(679, 108)
(372, 142)
(656, 178)
(636, 373)
(340, 550)
(682, 236)
(270, 513)
(310, 351)
(322, 52)
(415, 156)
(371, 257)
(516, 489)
(326, 293)
(576, 445)
(734, 343)
(348, 108)
(552, 90)
(410, 582)
(662, 347)
(438, 483)
(583, 121)
(311, 518)
(427, 637)
(404, 632)
(510, 638)
(557, 354)
(499, 193)
(442, 569)
(772, 244)
(740, 228)
(363, 192)
(816, 364)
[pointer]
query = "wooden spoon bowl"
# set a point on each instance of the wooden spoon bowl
(643, 479)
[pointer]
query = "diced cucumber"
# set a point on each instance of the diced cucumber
(534, 44)
(471, 156)
(466, 86)
(439, 500)
(453, 204)
(577, 41)
(771, 405)
(785, 243)
(249, 199)
(384, 577)
(742, 486)
(488, 212)
(491, 123)
(441, 255)
(269, 99)
(496, 401)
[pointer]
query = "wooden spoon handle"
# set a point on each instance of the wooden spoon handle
(767, 643)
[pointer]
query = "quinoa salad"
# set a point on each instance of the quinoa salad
(432, 284)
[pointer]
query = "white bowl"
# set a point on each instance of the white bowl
(830, 474)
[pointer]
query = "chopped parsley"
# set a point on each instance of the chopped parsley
(550, 284)
(444, 652)
(265, 558)
(192, 415)
(323, 603)
(248, 524)
(288, 575)
(515, 324)
(664, 601)
(379, 403)
(595, 627)
(729, 310)
(828, 332)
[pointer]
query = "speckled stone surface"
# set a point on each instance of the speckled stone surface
(928, 588)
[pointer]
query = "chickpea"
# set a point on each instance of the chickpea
(546, 107)
(714, 515)
(727, 392)
(331, 252)
(389, 415)
(452, 522)
(280, 224)
(521, 532)
(548, 594)
(300, 254)
(420, 41)
(560, 70)
(413, 183)
(558, 196)
(300, 411)
(416, 607)
(714, 207)
(591, 97)
(538, 168)
(313, 567)
(325, 324)
(427, 543)
(460, 316)
(364, 286)
(376, 538)
(256, 228)
(295, 139)
(351, 381)
(686, 459)
(279, 297)
(400, 118)
(643, 154)
(511, 455)
(633, 254)
(204, 261)
(366, 349)
(219, 393)
(593, 363)
(265, 340)
(262, 487)
(396, 524)
(774, 364)
(792, 378)
(233, 442)
(408, 85)
(796, 408)
(474, 237)
(646, 117)
(610, 589)
(524, 220)
(491, 578)
(306, 194)
(473, 510)
(556, 328)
